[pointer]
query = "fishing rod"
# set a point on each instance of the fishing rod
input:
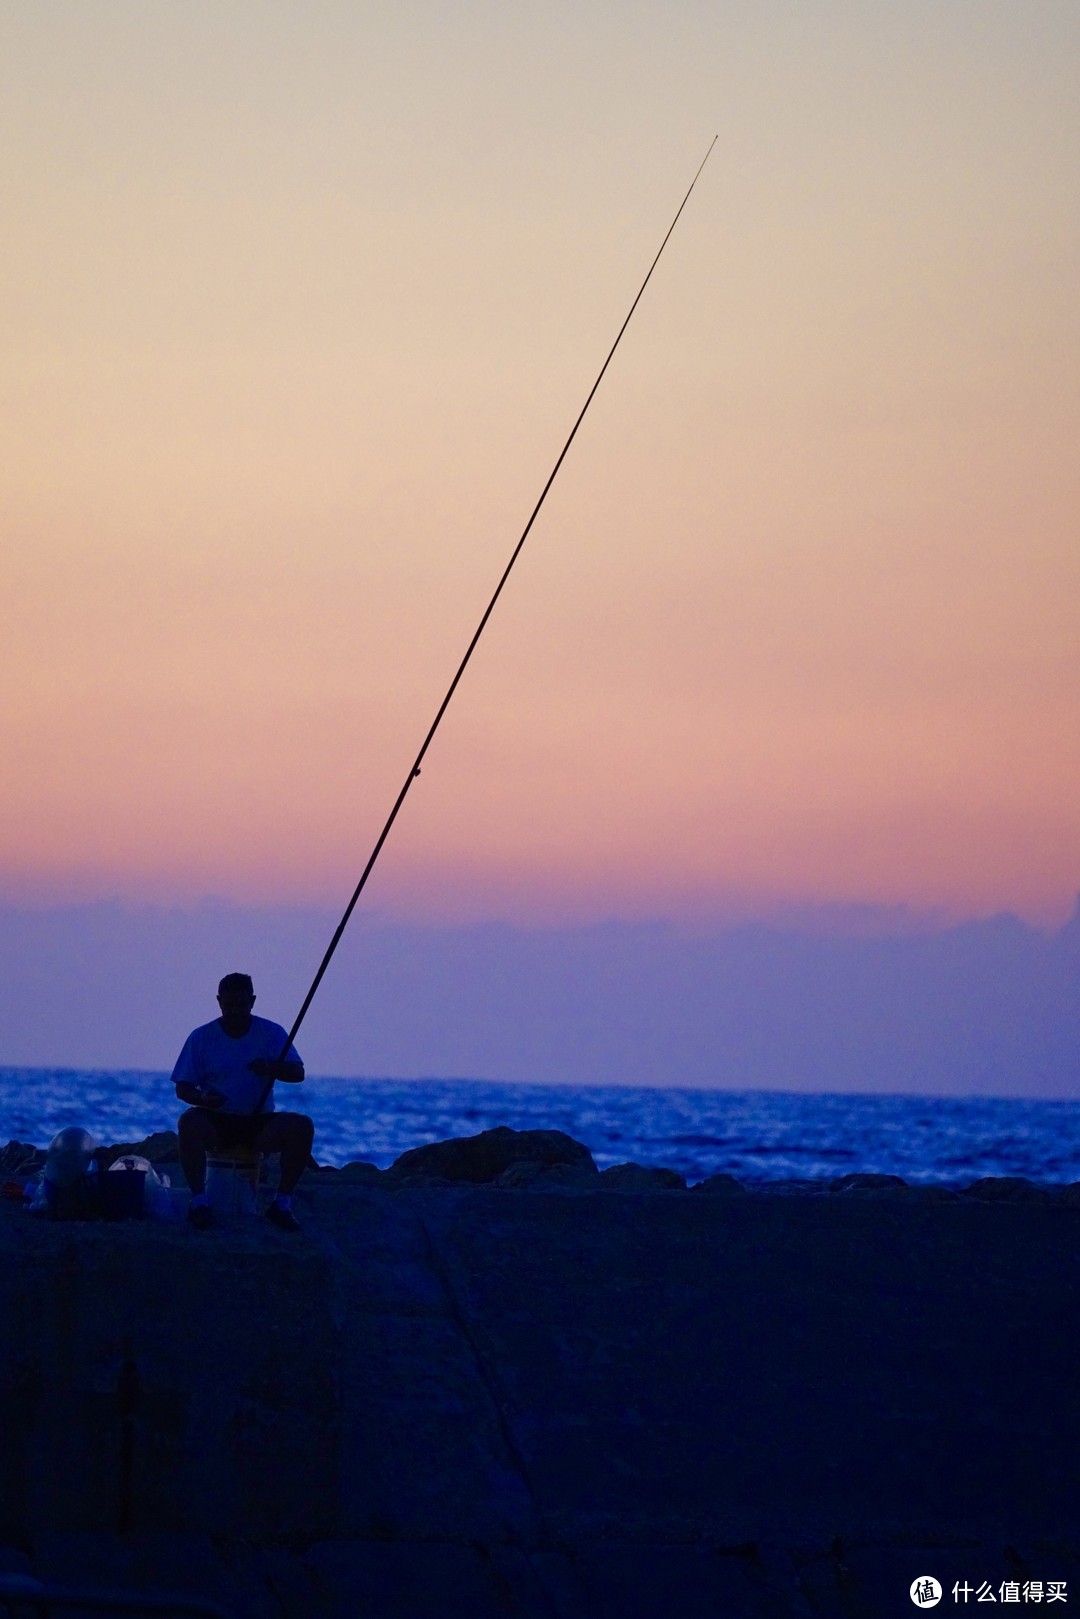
(444, 705)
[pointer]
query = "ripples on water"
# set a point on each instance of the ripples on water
(756, 1135)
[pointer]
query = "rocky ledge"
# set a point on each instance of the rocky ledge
(541, 1390)
(549, 1160)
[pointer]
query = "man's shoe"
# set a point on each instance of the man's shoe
(284, 1219)
(200, 1216)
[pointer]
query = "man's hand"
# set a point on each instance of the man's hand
(271, 1068)
(199, 1095)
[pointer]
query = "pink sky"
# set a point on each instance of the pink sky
(299, 305)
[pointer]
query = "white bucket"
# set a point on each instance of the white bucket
(231, 1184)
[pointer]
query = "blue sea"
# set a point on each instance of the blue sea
(759, 1136)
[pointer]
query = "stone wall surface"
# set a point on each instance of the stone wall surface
(565, 1403)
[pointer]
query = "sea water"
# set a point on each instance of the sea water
(758, 1136)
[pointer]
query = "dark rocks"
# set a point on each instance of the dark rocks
(1006, 1189)
(720, 1186)
(484, 1157)
(159, 1148)
(20, 1158)
(641, 1178)
(359, 1170)
(1070, 1195)
(791, 1188)
(867, 1183)
(528, 1175)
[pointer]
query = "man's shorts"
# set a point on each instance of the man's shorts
(235, 1129)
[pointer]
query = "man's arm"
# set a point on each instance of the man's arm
(198, 1095)
(188, 1081)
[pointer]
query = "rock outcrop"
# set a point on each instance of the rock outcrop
(360, 1171)
(641, 1178)
(1006, 1189)
(534, 1176)
(20, 1158)
(867, 1183)
(720, 1186)
(485, 1156)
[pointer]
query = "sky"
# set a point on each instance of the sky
(988, 1007)
(298, 304)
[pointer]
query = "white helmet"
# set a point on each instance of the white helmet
(68, 1157)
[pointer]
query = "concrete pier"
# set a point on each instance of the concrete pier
(563, 1403)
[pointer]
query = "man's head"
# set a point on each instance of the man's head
(238, 982)
(236, 996)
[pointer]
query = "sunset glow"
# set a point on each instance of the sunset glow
(299, 305)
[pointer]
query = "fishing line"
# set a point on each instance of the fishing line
(444, 705)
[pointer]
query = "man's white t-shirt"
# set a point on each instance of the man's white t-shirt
(212, 1057)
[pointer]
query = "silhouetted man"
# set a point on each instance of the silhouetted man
(222, 1072)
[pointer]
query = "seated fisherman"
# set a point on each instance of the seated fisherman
(222, 1072)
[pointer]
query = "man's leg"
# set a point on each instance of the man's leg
(196, 1134)
(290, 1134)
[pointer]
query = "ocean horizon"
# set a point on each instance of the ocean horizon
(758, 1136)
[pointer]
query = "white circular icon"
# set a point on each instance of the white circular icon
(925, 1591)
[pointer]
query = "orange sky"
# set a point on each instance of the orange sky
(299, 305)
